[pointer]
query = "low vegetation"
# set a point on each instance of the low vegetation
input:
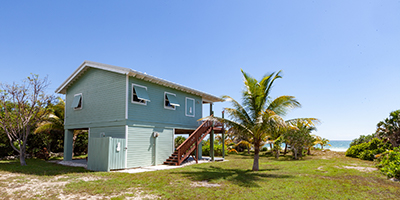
(322, 175)
(382, 146)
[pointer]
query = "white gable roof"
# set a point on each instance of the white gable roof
(121, 70)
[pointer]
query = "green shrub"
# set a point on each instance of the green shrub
(217, 150)
(179, 140)
(367, 151)
(264, 149)
(389, 163)
(362, 139)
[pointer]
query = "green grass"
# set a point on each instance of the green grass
(314, 177)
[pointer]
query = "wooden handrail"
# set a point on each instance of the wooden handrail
(192, 142)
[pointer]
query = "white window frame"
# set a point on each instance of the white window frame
(194, 105)
(172, 107)
(135, 102)
(79, 108)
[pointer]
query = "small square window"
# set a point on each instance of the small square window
(77, 102)
(139, 94)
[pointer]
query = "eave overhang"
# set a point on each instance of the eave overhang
(207, 98)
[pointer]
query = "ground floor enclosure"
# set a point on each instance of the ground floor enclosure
(120, 147)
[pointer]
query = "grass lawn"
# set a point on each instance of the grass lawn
(324, 175)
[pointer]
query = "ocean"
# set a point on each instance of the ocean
(336, 145)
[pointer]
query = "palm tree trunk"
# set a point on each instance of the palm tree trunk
(295, 153)
(256, 157)
(270, 146)
(277, 154)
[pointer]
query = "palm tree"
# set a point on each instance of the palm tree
(324, 142)
(259, 115)
(54, 121)
(298, 134)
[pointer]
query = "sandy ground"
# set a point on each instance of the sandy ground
(17, 186)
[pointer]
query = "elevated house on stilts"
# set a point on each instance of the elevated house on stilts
(132, 117)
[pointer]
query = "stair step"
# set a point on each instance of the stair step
(170, 163)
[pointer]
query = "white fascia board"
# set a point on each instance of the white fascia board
(83, 67)
(159, 81)
(121, 70)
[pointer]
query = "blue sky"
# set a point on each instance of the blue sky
(341, 59)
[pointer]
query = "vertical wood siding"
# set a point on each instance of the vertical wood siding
(104, 155)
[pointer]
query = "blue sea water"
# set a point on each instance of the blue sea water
(336, 145)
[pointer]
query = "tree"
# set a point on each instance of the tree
(321, 141)
(179, 140)
(390, 128)
(53, 122)
(24, 107)
(259, 114)
(298, 135)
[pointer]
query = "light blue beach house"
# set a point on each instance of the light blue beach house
(132, 117)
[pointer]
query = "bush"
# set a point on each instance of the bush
(362, 139)
(367, 151)
(264, 149)
(217, 150)
(389, 163)
(179, 140)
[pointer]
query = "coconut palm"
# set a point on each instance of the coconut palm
(298, 134)
(259, 115)
(324, 142)
(55, 120)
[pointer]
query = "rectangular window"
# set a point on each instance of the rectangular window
(139, 94)
(189, 111)
(77, 102)
(170, 101)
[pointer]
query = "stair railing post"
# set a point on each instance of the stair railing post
(212, 134)
(223, 135)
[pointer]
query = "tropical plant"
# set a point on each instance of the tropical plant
(390, 128)
(389, 163)
(23, 108)
(362, 139)
(217, 148)
(52, 126)
(368, 151)
(298, 135)
(179, 140)
(321, 141)
(258, 114)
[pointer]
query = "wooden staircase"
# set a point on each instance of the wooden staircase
(192, 142)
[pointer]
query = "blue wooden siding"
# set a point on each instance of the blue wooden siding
(104, 155)
(155, 113)
(163, 144)
(146, 150)
(140, 150)
(111, 131)
(103, 99)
